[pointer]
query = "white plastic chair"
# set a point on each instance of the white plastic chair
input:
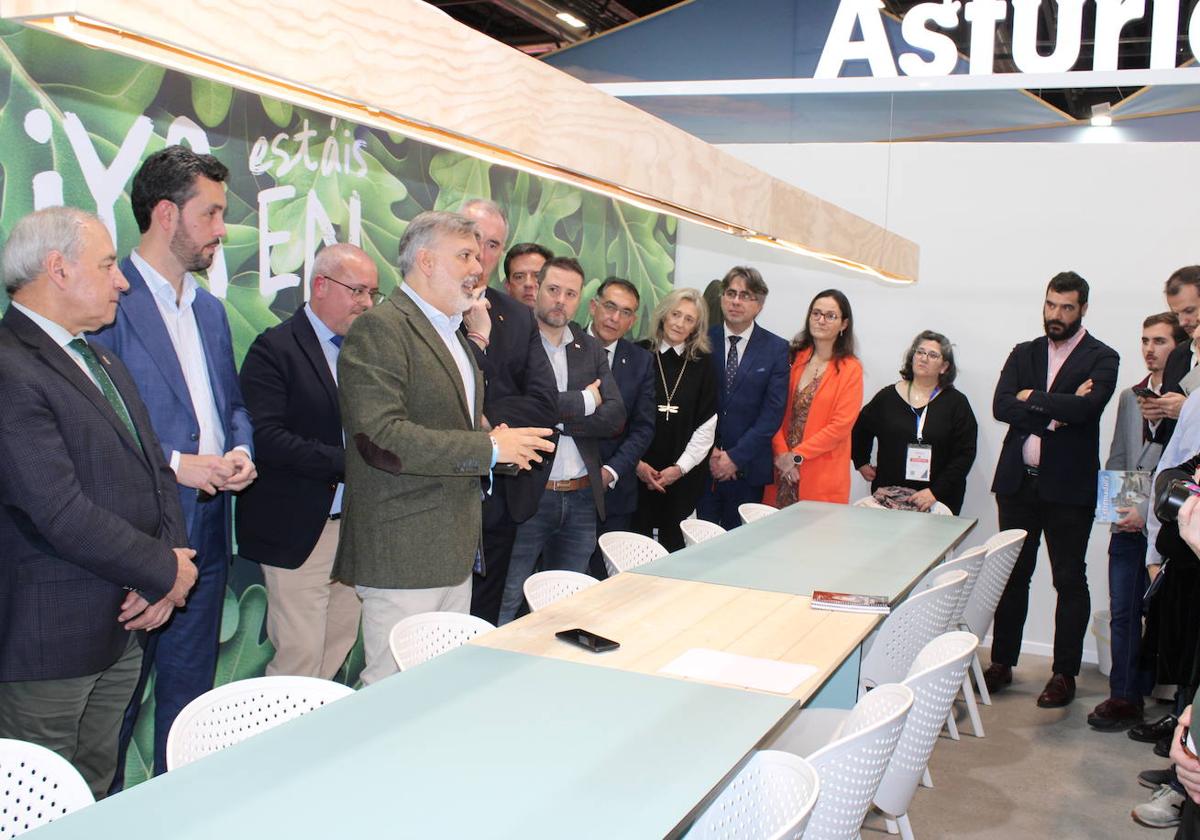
(624, 550)
(935, 677)
(544, 588)
(770, 798)
(754, 511)
(1002, 552)
(914, 623)
(423, 636)
(37, 786)
(699, 530)
(971, 562)
(231, 713)
(851, 762)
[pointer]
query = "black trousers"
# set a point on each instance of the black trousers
(1066, 528)
(1189, 821)
(499, 532)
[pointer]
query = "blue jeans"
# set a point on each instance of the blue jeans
(1127, 582)
(563, 532)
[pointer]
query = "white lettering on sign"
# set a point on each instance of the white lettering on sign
(928, 26)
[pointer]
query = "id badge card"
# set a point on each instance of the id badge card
(918, 461)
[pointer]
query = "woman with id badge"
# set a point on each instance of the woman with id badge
(925, 431)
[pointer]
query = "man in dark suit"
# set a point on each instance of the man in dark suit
(563, 530)
(751, 365)
(519, 391)
(289, 519)
(1051, 394)
(173, 336)
(411, 398)
(92, 539)
(614, 310)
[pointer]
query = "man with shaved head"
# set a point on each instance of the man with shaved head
(289, 520)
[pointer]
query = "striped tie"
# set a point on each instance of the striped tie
(106, 384)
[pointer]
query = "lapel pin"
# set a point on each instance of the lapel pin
(501, 317)
(576, 346)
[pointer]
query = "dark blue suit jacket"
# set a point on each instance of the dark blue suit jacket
(139, 338)
(297, 445)
(633, 368)
(749, 415)
(85, 511)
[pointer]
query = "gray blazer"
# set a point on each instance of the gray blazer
(1129, 451)
(411, 515)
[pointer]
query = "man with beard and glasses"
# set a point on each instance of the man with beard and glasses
(173, 336)
(590, 409)
(1051, 394)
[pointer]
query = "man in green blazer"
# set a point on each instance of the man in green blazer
(412, 405)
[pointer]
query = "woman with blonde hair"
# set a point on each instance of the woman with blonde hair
(674, 468)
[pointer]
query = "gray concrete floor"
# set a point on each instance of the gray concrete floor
(1039, 773)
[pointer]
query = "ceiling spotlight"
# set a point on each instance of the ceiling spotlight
(1102, 115)
(570, 20)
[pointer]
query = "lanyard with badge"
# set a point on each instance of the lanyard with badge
(919, 459)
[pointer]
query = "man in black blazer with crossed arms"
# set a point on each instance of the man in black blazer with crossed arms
(289, 520)
(92, 537)
(1051, 394)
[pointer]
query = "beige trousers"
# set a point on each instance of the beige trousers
(383, 609)
(312, 620)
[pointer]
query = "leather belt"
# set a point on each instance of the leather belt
(569, 485)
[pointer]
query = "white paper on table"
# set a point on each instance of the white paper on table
(742, 671)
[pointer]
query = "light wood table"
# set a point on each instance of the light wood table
(655, 619)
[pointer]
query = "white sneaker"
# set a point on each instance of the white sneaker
(1162, 811)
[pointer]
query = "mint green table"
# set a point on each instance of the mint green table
(478, 743)
(816, 545)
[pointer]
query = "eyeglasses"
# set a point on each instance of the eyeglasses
(612, 309)
(931, 355)
(358, 292)
(737, 294)
(818, 315)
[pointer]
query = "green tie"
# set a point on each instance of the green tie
(106, 384)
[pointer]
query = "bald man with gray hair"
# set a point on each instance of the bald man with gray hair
(289, 521)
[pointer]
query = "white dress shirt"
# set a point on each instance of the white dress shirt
(184, 333)
(701, 441)
(446, 327)
(611, 350)
(568, 462)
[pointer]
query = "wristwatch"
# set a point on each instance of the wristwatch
(797, 460)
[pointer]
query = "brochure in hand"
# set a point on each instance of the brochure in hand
(850, 602)
(1121, 489)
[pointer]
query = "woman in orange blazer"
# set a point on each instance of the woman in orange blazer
(825, 393)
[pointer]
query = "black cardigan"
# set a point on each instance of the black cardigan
(950, 428)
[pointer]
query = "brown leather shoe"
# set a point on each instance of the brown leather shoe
(1115, 714)
(1059, 692)
(997, 676)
